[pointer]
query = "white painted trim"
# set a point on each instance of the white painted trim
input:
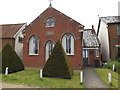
(44, 45)
(22, 28)
(68, 32)
(117, 45)
(32, 54)
(81, 31)
(91, 48)
(72, 54)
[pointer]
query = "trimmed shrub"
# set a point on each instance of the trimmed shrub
(109, 65)
(58, 65)
(10, 59)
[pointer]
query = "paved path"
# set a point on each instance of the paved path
(91, 79)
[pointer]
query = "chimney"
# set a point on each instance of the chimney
(93, 30)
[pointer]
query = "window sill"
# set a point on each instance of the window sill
(70, 54)
(97, 56)
(33, 54)
(49, 26)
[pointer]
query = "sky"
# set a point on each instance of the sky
(86, 12)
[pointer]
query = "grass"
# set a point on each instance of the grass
(31, 78)
(103, 74)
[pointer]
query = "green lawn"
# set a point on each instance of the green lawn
(31, 78)
(103, 74)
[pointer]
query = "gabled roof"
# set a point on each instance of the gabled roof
(51, 8)
(108, 20)
(111, 19)
(90, 39)
(9, 30)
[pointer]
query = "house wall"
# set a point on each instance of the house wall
(114, 40)
(63, 25)
(104, 39)
(19, 46)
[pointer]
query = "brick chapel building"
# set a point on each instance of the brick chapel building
(42, 34)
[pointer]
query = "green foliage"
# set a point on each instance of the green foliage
(118, 55)
(10, 59)
(58, 64)
(109, 65)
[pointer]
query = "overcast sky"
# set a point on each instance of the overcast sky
(84, 11)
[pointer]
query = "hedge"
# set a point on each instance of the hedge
(10, 59)
(58, 65)
(109, 65)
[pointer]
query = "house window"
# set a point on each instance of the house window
(118, 30)
(85, 53)
(50, 22)
(33, 45)
(68, 44)
(49, 47)
(20, 39)
(97, 52)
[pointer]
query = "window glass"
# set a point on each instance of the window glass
(118, 30)
(33, 45)
(50, 22)
(97, 52)
(68, 44)
(20, 39)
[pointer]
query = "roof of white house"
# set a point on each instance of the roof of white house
(90, 39)
(111, 19)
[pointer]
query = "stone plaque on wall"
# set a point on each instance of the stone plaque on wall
(49, 32)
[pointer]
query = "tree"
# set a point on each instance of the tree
(58, 65)
(10, 59)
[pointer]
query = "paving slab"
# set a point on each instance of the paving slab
(92, 80)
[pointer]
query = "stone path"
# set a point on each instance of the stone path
(92, 80)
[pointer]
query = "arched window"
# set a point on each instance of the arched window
(33, 45)
(50, 22)
(68, 44)
(49, 47)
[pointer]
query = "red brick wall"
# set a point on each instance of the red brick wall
(113, 40)
(5, 41)
(63, 25)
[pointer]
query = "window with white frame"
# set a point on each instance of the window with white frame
(85, 53)
(49, 47)
(97, 52)
(68, 44)
(33, 45)
(50, 22)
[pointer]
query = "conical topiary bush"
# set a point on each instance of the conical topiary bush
(11, 60)
(58, 65)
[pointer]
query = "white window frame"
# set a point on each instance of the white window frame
(97, 52)
(47, 49)
(31, 46)
(72, 44)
